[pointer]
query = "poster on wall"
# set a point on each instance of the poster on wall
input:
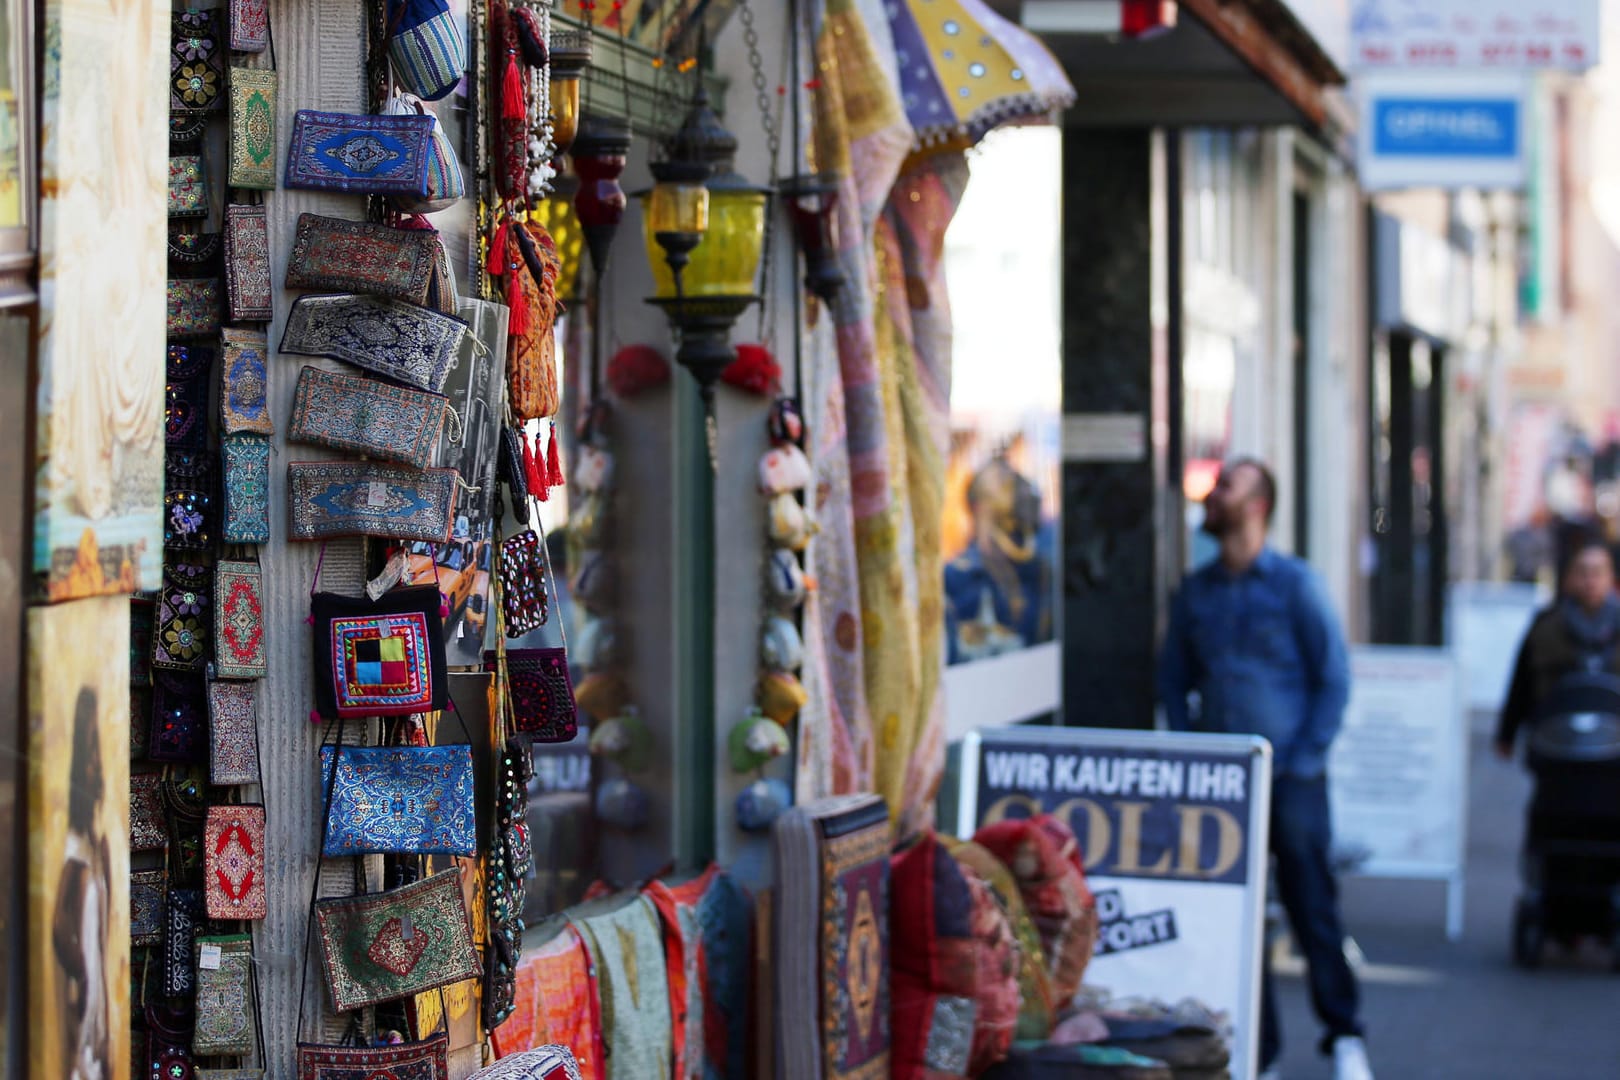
(1173, 830)
(78, 849)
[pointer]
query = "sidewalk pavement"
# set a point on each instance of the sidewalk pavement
(1463, 1011)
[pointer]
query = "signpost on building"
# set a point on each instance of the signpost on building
(1398, 770)
(1173, 829)
(1475, 35)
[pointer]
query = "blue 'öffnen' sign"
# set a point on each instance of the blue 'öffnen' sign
(1440, 127)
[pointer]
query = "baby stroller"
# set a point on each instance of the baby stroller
(1571, 861)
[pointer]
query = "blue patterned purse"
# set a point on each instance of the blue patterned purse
(369, 498)
(400, 800)
(247, 489)
(413, 345)
(363, 155)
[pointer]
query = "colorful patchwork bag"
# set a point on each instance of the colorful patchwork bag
(179, 729)
(366, 416)
(426, 1060)
(247, 263)
(362, 257)
(447, 185)
(253, 129)
(239, 625)
(233, 862)
(146, 893)
(413, 345)
(369, 498)
(425, 46)
(381, 657)
(539, 692)
(184, 617)
(188, 186)
(399, 800)
(250, 25)
(243, 404)
(196, 61)
(362, 155)
(225, 1002)
(247, 489)
(522, 572)
(386, 946)
(233, 733)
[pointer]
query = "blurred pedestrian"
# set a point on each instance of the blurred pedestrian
(1253, 636)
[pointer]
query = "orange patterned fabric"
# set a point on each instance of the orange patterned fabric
(688, 975)
(531, 356)
(556, 1002)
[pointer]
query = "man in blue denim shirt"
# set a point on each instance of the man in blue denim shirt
(1253, 637)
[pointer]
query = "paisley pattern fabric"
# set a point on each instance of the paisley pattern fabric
(366, 416)
(247, 263)
(247, 489)
(184, 617)
(363, 498)
(362, 257)
(413, 345)
(233, 862)
(250, 25)
(147, 889)
(379, 658)
(400, 800)
(196, 62)
(193, 307)
(244, 375)
(253, 129)
(391, 945)
(627, 949)
(426, 1060)
(224, 1001)
(179, 728)
(542, 695)
(233, 733)
(239, 651)
(365, 155)
(188, 186)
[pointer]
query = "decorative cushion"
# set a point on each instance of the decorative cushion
(933, 964)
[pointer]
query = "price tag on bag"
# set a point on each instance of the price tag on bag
(209, 957)
(406, 930)
(377, 493)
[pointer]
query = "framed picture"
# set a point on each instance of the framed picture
(17, 182)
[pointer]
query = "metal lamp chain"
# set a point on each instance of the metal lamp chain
(773, 143)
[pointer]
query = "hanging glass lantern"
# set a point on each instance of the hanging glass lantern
(811, 199)
(570, 56)
(601, 151)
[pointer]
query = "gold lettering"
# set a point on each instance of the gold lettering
(999, 810)
(1095, 836)
(1130, 841)
(1228, 847)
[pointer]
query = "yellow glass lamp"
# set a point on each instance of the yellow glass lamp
(570, 56)
(557, 215)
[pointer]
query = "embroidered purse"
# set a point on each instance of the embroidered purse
(224, 1005)
(184, 618)
(181, 913)
(196, 59)
(426, 1060)
(425, 46)
(185, 395)
(366, 416)
(542, 1063)
(233, 862)
(247, 263)
(250, 25)
(522, 570)
(233, 733)
(247, 489)
(446, 183)
(379, 658)
(194, 254)
(188, 500)
(540, 692)
(386, 946)
(400, 800)
(531, 354)
(243, 406)
(413, 345)
(193, 307)
(363, 155)
(239, 626)
(146, 828)
(362, 257)
(146, 892)
(253, 129)
(366, 498)
(188, 187)
(179, 729)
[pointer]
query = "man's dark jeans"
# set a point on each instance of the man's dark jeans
(1301, 836)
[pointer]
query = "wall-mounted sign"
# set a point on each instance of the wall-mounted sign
(1442, 131)
(1475, 35)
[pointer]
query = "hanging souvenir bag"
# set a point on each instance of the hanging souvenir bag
(233, 862)
(247, 489)
(418, 348)
(369, 498)
(179, 731)
(382, 657)
(188, 186)
(146, 893)
(337, 255)
(531, 349)
(367, 416)
(426, 47)
(426, 1060)
(250, 25)
(522, 570)
(226, 1004)
(253, 129)
(233, 733)
(446, 183)
(247, 263)
(243, 382)
(239, 651)
(187, 372)
(359, 154)
(538, 691)
(386, 946)
(196, 61)
(400, 800)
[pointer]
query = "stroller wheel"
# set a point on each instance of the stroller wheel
(1528, 936)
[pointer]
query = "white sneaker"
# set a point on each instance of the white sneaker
(1350, 1059)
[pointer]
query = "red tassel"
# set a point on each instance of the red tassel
(554, 473)
(497, 250)
(518, 324)
(531, 468)
(512, 89)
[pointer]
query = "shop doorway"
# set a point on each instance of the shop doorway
(1409, 525)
